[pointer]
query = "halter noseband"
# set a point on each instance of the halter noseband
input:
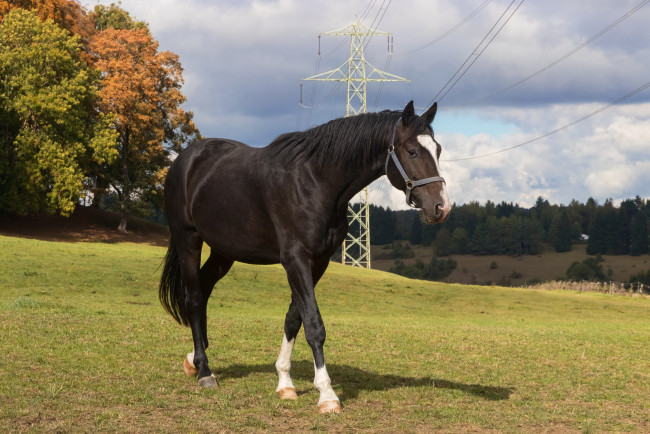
(410, 184)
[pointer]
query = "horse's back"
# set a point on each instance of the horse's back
(190, 169)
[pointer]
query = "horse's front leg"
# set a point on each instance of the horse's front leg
(301, 279)
(292, 323)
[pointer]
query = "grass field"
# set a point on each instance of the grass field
(86, 347)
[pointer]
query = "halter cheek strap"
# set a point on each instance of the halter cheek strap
(410, 184)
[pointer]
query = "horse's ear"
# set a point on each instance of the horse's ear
(408, 113)
(431, 113)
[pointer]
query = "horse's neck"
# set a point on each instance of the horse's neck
(350, 182)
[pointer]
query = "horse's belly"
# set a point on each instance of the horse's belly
(244, 252)
(238, 231)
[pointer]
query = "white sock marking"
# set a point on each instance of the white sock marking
(324, 385)
(190, 359)
(283, 364)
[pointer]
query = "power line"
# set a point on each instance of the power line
(367, 10)
(557, 130)
(452, 30)
(478, 51)
(368, 38)
(381, 84)
(564, 57)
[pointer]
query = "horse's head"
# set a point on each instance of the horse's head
(412, 164)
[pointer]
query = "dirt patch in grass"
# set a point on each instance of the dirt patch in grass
(85, 224)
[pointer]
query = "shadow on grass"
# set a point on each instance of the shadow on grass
(352, 380)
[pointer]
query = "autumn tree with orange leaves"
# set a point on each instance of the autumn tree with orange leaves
(68, 14)
(141, 87)
(131, 85)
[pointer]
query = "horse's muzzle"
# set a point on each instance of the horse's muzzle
(439, 214)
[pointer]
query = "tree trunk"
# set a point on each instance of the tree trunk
(126, 191)
(123, 221)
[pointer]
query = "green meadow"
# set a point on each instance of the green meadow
(85, 346)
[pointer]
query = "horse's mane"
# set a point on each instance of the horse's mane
(352, 142)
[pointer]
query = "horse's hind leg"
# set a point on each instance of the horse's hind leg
(214, 269)
(189, 246)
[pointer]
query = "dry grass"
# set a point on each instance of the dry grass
(513, 271)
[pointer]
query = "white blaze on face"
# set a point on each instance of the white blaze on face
(427, 142)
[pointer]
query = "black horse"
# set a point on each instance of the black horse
(286, 203)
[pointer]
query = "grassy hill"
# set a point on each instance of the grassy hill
(86, 347)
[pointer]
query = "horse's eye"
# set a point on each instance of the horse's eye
(412, 153)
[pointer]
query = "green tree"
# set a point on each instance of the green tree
(490, 237)
(114, 17)
(562, 231)
(460, 241)
(416, 230)
(639, 234)
(543, 212)
(523, 236)
(382, 225)
(641, 277)
(439, 269)
(442, 244)
(598, 229)
(588, 269)
(49, 136)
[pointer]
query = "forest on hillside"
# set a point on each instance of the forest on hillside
(509, 229)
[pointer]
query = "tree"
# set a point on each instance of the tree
(460, 241)
(597, 243)
(49, 135)
(562, 231)
(639, 234)
(442, 244)
(589, 269)
(490, 237)
(641, 277)
(141, 88)
(416, 230)
(382, 225)
(114, 17)
(68, 14)
(523, 236)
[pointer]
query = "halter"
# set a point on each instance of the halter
(410, 184)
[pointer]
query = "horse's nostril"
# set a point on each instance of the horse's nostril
(439, 211)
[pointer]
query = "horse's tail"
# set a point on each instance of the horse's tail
(172, 288)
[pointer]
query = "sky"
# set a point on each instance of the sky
(244, 61)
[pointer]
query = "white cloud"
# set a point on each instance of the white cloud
(244, 60)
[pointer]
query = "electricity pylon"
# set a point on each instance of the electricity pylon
(357, 72)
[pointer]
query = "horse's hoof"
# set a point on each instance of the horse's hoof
(288, 393)
(208, 382)
(329, 407)
(189, 368)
